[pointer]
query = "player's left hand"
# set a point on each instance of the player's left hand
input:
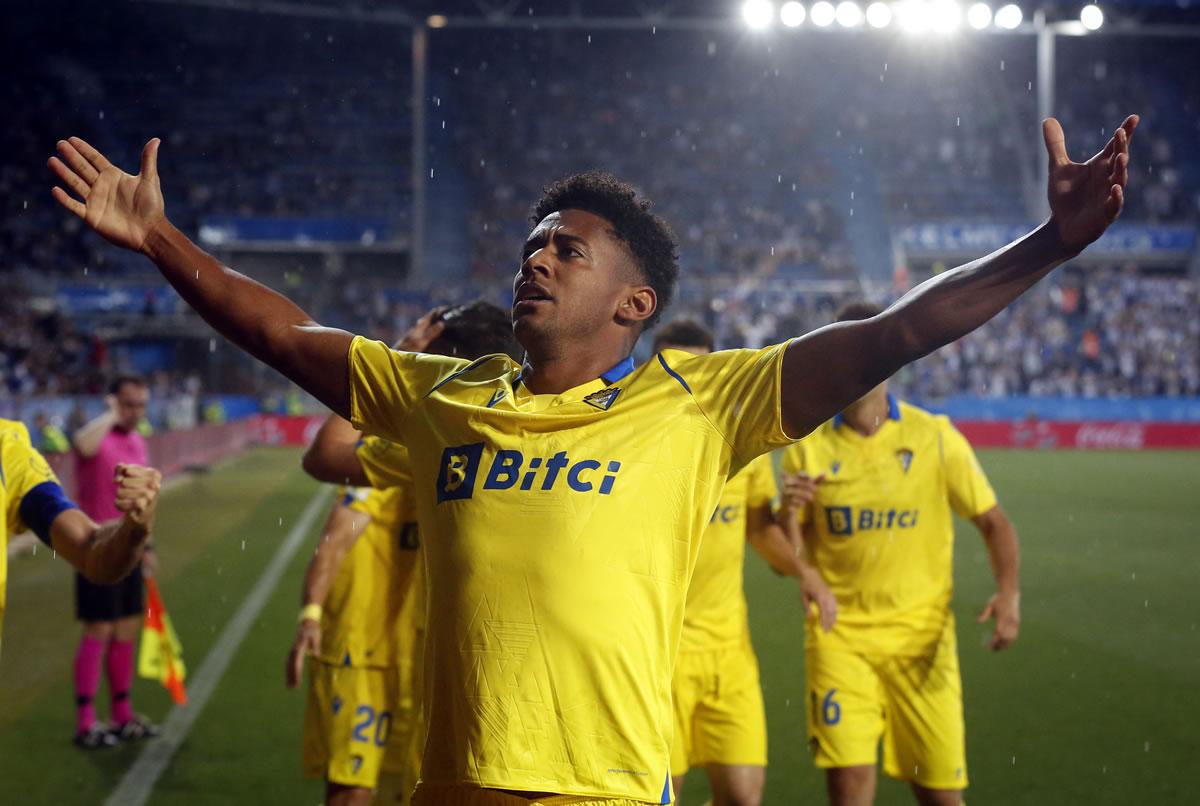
(137, 493)
(1005, 608)
(308, 642)
(1085, 198)
(814, 591)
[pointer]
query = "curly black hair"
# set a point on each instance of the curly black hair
(684, 333)
(476, 329)
(647, 236)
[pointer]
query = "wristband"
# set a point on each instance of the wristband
(311, 612)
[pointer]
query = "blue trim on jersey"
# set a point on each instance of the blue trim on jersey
(893, 411)
(666, 795)
(618, 372)
(347, 499)
(673, 373)
(622, 368)
(42, 505)
(478, 362)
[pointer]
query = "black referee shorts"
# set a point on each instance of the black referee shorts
(109, 602)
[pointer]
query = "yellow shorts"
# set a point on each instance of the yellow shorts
(718, 704)
(474, 796)
(359, 723)
(913, 703)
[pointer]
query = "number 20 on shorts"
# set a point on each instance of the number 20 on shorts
(367, 716)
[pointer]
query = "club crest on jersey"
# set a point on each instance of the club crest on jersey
(603, 399)
(905, 457)
(834, 468)
(497, 397)
(512, 469)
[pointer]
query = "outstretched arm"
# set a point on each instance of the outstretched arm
(128, 210)
(831, 367)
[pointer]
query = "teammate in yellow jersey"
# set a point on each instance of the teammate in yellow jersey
(33, 499)
(357, 620)
(883, 478)
(562, 501)
(720, 723)
(360, 616)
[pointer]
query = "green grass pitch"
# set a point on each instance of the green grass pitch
(1095, 704)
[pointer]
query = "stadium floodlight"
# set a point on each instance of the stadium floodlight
(757, 14)
(979, 16)
(945, 16)
(849, 14)
(823, 14)
(792, 14)
(1092, 17)
(1009, 17)
(913, 15)
(879, 15)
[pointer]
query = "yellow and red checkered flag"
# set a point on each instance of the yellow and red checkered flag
(160, 656)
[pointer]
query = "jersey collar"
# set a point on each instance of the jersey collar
(622, 368)
(893, 411)
(618, 372)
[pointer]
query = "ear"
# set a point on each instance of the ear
(638, 305)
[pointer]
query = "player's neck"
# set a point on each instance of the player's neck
(562, 370)
(867, 414)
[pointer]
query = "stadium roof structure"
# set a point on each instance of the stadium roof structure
(631, 13)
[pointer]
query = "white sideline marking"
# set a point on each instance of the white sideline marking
(139, 780)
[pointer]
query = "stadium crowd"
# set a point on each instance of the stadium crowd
(758, 202)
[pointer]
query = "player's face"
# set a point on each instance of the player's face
(576, 277)
(131, 405)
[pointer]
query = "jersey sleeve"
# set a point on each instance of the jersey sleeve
(35, 497)
(385, 384)
(762, 489)
(385, 462)
(971, 494)
(739, 392)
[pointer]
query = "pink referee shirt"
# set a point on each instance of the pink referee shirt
(97, 488)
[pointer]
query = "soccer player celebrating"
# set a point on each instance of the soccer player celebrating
(720, 723)
(111, 614)
(562, 501)
(363, 602)
(882, 478)
(33, 499)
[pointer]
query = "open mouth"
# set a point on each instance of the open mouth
(531, 294)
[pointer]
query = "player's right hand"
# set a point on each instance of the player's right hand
(122, 208)
(423, 333)
(814, 591)
(137, 493)
(308, 642)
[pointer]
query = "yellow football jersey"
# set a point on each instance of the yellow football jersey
(560, 534)
(362, 610)
(21, 470)
(715, 613)
(880, 528)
